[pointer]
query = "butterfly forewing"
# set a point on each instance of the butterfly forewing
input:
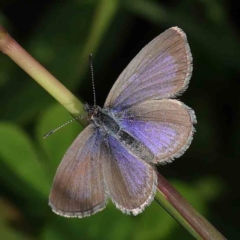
(78, 187)
(161, 69)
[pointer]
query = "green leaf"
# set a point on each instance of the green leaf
(56, 144)
(10, 233)
(17, 152)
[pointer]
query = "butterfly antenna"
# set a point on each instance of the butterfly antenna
(63, 125)
(93, 85)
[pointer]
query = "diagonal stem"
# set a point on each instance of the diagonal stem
(43, 77)
(167, 195)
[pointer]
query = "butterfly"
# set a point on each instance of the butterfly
(139, 126)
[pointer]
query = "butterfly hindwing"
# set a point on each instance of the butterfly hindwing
(164, 126)
(130, 182)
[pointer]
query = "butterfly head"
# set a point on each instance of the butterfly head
(92, 111)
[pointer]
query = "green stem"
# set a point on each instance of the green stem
(167, 196)
(43, 77)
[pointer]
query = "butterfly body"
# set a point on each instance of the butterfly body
(139, 126)
(103, 119)
(108, 122)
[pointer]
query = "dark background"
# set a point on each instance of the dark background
(60, 35)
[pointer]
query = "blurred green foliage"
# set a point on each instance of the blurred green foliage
(60, 35)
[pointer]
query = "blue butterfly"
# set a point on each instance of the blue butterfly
(138, 127)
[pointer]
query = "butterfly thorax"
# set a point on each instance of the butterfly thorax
(109, 124)
(102, 118)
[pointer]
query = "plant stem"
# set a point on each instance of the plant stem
(43, 77)
(168, 197)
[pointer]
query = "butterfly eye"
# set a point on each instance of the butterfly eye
(90, 114)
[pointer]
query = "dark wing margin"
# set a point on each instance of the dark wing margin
(78, 187)
(162, 69)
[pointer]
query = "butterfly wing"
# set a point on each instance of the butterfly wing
(162, 69)
(78, 187)
(130, 182)
(164, 126)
